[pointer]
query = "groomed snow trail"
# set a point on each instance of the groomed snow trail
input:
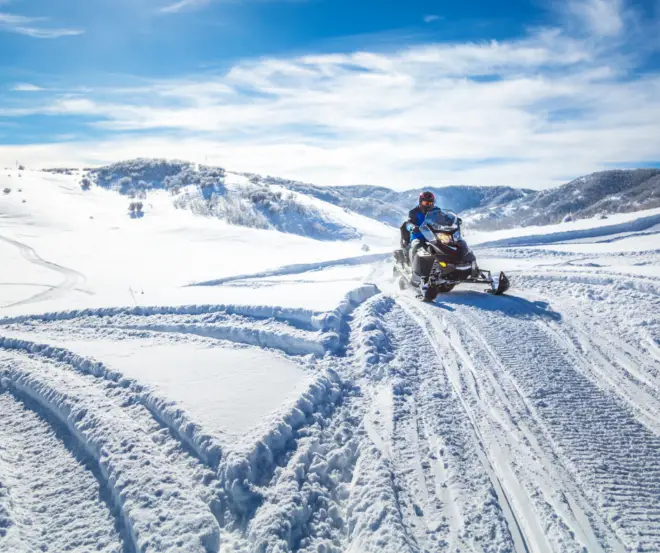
(614, 457)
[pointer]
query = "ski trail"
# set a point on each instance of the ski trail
(54, 499)
(72, 279)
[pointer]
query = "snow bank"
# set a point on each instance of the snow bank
(247, 468)
(372, 342)
(333, 320)
(295, 316)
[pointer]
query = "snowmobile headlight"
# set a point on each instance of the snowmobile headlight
(445, 238)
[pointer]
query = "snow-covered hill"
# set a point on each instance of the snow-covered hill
(392, 207)
(235, 199)
(499, 207)
(175, 383)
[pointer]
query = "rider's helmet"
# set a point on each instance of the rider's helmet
(426, 201)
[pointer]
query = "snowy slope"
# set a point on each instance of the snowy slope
(233, 198)
(99, 256)
(295, 400)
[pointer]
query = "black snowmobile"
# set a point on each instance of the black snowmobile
(443, 261)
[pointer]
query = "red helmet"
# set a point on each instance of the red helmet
(427, 198)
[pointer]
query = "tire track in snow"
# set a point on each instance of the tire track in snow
(54, 501)
(298, 269)
(615, 459)
(72, 279)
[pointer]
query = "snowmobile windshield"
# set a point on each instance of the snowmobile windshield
(439, 221)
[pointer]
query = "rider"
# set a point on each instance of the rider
(410, 234)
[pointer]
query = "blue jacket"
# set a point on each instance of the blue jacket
(415, 218)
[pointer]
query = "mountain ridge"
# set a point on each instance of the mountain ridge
(250, 199)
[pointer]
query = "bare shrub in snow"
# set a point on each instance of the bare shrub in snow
(135, 209)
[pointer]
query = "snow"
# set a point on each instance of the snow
(176, 383)
(228, 390)
(99, 256)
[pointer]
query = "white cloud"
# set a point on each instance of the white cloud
(181, 5)
(431, 18)
(528, 112)
(604, 18)
(26, 87)
(26, 26)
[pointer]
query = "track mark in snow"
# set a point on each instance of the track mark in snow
(615, 459)
(447, 494)
(72, 279)
(52, 501)
(297, 269)
(467, 391)
(158, 507)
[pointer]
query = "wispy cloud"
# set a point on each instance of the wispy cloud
(602, 18)
(539, 108)
(26, 87)
(431, 18)
(183, 4)
(32, 26)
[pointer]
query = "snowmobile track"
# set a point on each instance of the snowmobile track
(613, 457)
(52, 501)
(145, 472)
(72, 279)
(451, 498)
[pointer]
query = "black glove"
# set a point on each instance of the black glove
(460, 221)
(415, 229)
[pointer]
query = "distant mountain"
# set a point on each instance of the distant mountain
(602, 193)
(290, 206)
(392, 207)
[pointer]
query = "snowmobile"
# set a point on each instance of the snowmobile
(443, 261)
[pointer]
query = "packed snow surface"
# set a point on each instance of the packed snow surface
(176, 384)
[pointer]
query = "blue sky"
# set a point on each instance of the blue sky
(402, 94)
